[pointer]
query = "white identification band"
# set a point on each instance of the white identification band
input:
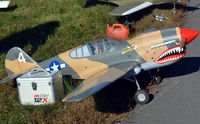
(159, 45)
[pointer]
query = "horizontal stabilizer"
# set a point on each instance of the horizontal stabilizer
(129, 8)
(4, 4)
(9, 78)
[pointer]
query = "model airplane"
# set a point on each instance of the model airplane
(101, 62)
(4, 4)
(127, 7)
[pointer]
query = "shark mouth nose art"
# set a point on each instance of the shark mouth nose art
(172, 54)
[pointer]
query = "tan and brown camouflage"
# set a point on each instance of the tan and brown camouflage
(101, 62)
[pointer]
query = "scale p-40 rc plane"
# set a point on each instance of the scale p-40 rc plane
(4, 4)
(127, 7)
(101, 62)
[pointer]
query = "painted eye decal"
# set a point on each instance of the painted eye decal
(178, 42)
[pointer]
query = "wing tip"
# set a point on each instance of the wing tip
(9, 78)
(63, 100)
(71, 99)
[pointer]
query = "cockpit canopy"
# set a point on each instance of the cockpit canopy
(94, 48)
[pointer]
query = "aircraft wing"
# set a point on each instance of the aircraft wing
(97, 82)
(129, 8)
(4, 4)
(9, 78)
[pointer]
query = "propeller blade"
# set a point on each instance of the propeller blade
(183, 40)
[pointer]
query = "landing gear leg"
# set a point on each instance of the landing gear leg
(174, 7)
(155, 80)
(126, 22)
(141, 96)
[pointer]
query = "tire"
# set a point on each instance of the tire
(157, 80)
(142, 97)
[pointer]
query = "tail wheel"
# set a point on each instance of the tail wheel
(142, 97)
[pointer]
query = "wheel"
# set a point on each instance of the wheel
(156, 80)
(141, 97)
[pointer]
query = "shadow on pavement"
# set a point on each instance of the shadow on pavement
(190, 8)
(183, 67)
(119, 96)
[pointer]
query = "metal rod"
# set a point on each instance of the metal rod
(174, 6)
(136, 82)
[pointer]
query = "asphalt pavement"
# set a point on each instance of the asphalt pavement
(177, 99)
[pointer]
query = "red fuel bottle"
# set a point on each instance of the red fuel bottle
(118, 32)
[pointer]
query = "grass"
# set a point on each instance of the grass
(45, 28)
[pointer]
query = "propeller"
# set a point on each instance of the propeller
(183, 40)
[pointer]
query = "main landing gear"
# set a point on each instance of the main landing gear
(141, 96)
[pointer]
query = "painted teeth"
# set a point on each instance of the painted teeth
(168, 53)
(179, 49)
(170, 59)
(172, 51)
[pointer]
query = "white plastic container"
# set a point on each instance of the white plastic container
(4, 4)
(39, 87)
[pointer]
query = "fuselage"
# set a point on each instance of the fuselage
(86, 60)
(150, 50)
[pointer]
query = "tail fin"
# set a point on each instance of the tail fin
(17, 62)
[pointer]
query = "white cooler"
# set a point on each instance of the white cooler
(39, 87)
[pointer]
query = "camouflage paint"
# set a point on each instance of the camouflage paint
(100, 70)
